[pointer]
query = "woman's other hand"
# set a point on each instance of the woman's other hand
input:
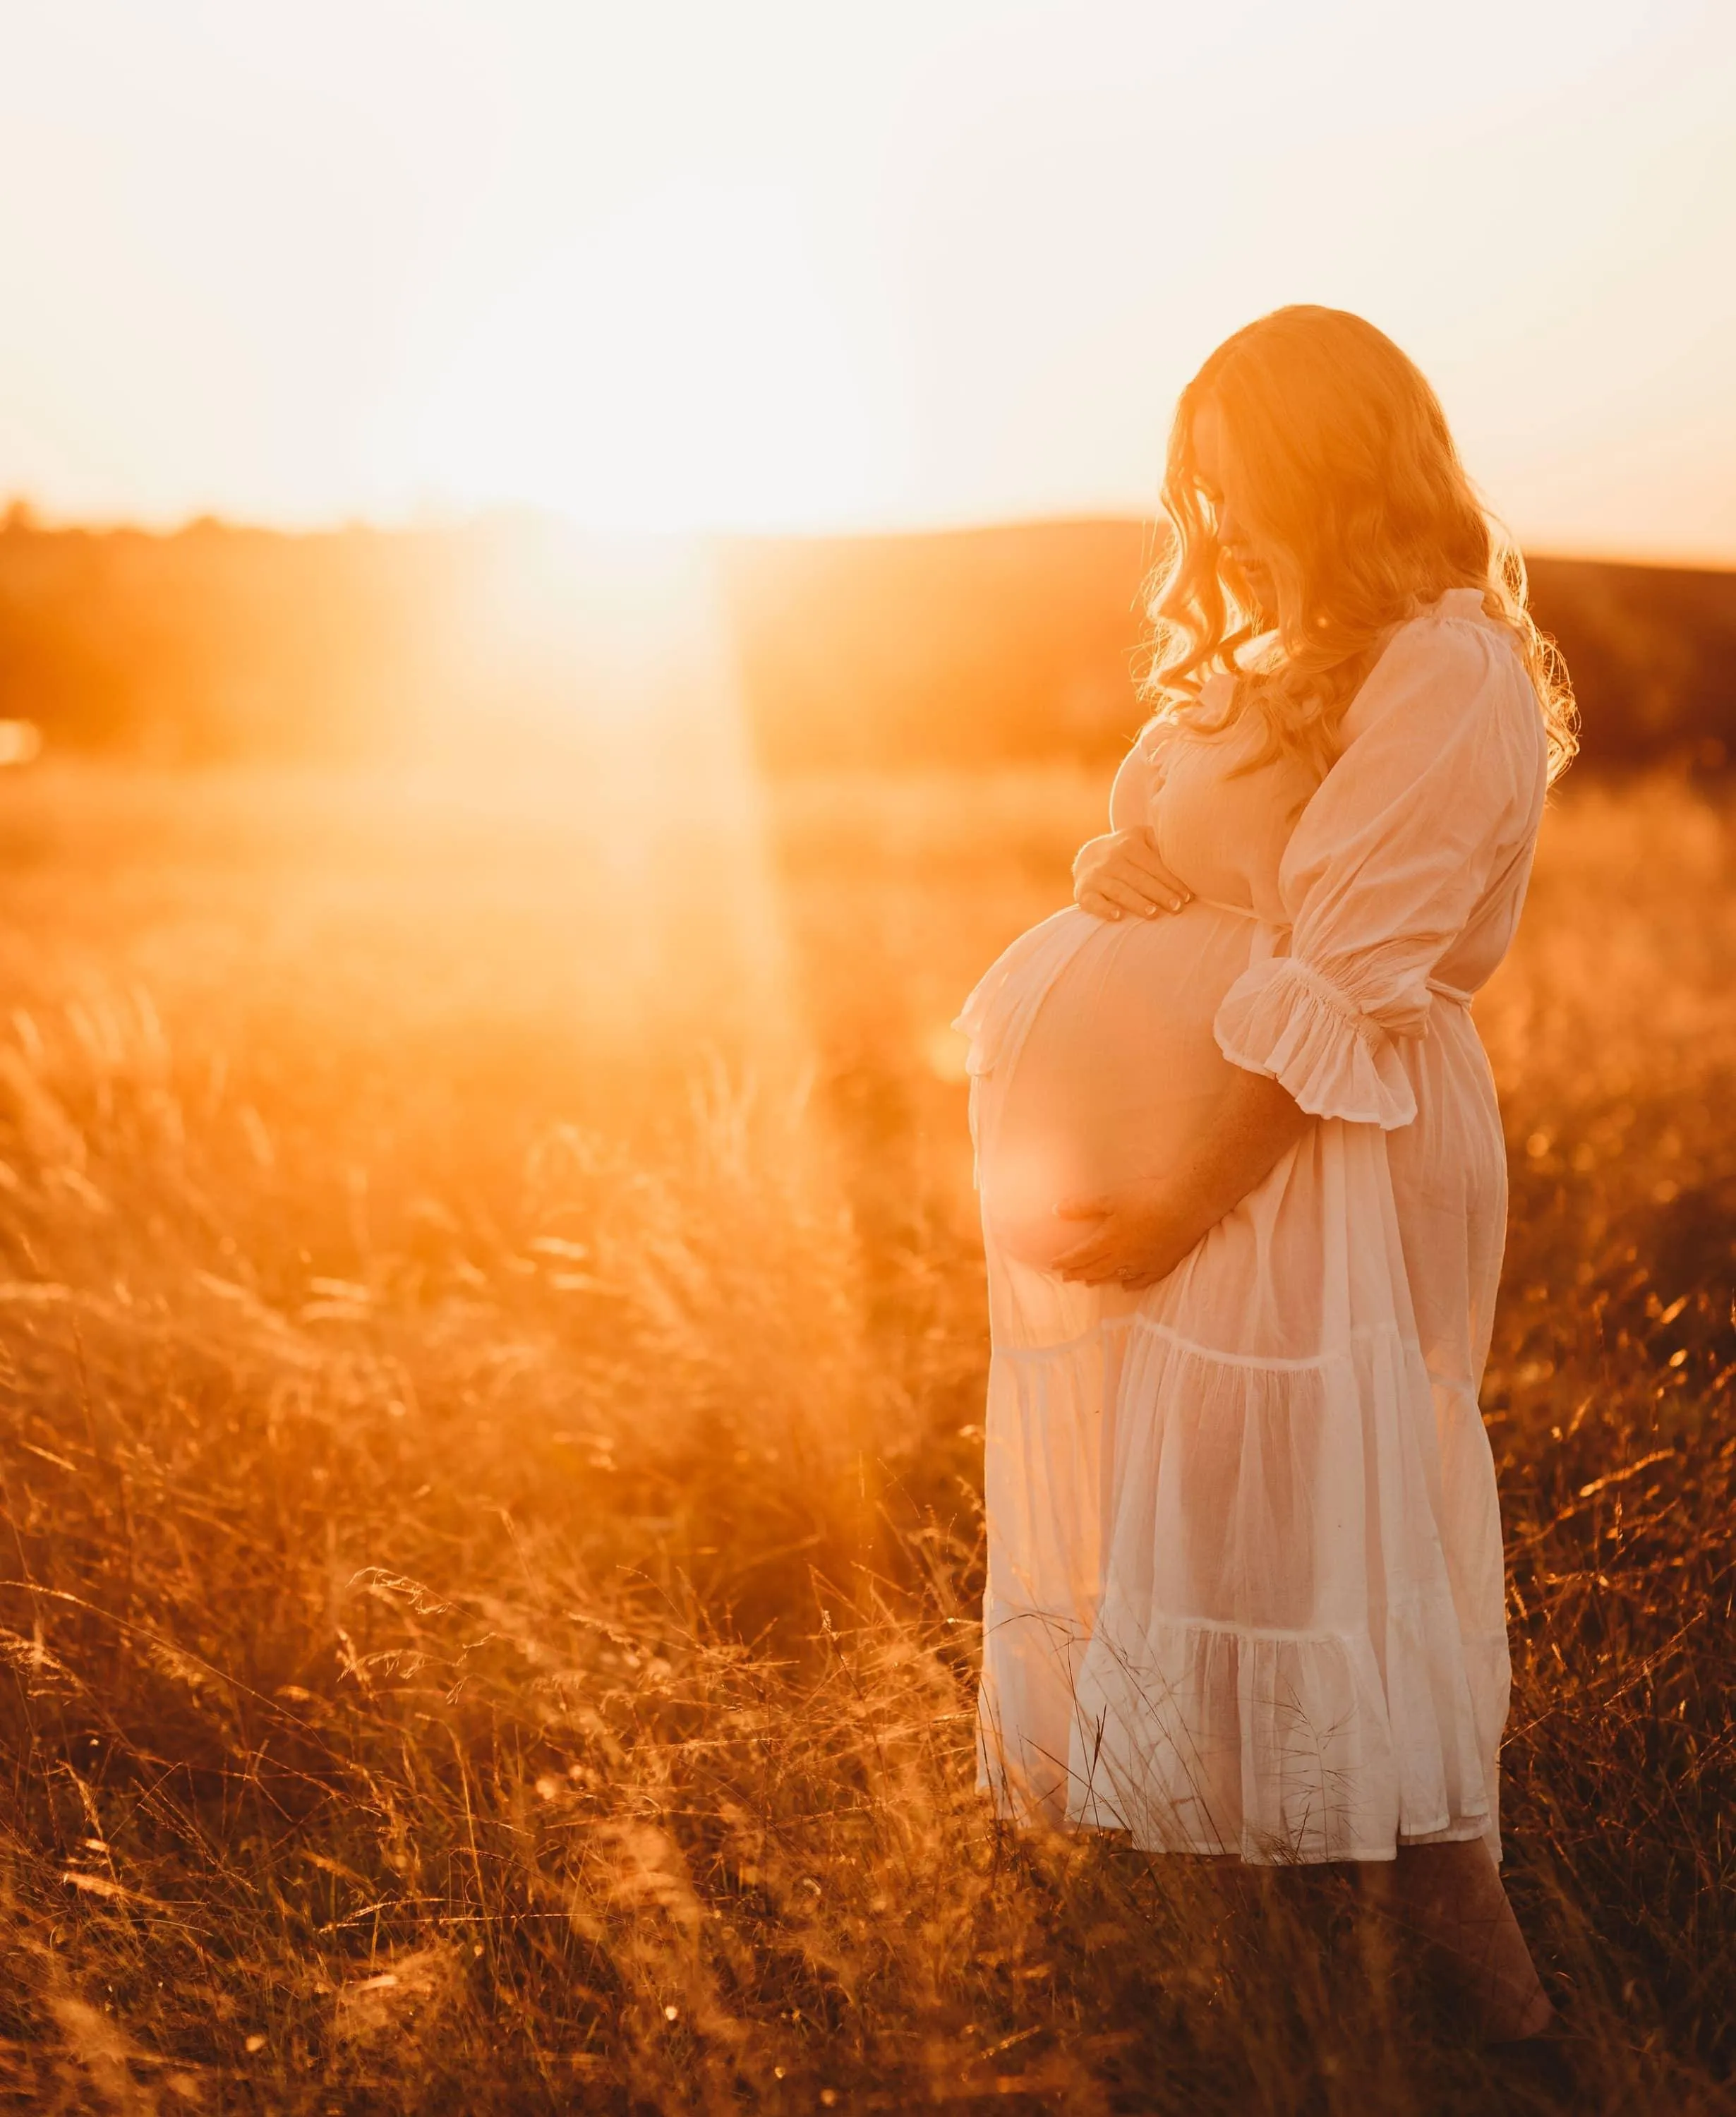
(1120, 874)
(1138, 1238)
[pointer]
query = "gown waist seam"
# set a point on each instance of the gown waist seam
(1360, 1333)
(1456, 995)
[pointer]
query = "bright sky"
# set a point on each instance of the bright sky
(681, 262)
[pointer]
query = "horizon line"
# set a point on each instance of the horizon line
(20, 512)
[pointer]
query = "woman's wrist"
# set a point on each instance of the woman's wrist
(1184, 1215)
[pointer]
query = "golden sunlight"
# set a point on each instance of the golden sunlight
(602, 708)
(674, 367)
(853, 1254)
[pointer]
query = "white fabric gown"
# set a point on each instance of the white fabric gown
(1246, 1589)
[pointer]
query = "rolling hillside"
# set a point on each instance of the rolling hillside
(1017, 642)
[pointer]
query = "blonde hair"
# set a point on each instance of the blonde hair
(1354, 485)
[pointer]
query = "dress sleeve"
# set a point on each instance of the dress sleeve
(1433, 790)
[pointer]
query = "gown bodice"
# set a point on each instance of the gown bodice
(1221, 814)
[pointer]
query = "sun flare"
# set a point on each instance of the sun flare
(677, 367)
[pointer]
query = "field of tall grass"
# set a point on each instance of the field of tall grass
(491, 1359)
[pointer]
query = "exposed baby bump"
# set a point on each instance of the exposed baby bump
(1119, 1070)
(1048, 1158)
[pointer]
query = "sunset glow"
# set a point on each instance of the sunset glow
(676, 365)
(769, 266)
(857, 1249)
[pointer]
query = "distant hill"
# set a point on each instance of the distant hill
(1015, 642)
(1007, 642)
(1019, 641)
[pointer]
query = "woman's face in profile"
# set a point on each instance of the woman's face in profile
(1222, 482)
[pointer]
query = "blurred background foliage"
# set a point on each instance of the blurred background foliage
(1011, 644)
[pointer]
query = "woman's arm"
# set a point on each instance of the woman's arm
(1143, 1233)
(1441, 780)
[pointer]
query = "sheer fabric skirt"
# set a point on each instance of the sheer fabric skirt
(1245, 1591)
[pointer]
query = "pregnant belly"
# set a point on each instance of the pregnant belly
(1117, 1074)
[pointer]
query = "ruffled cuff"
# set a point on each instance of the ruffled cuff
(1283, 1018)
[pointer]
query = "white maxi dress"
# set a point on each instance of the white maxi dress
(1245, 1591)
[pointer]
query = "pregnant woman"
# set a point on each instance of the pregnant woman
(1243, 1181)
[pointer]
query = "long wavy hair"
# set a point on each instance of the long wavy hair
(1353, 484)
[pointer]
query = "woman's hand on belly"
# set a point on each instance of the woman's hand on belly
(1120, 873)
(1142, 1232)
(1139, 1237)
